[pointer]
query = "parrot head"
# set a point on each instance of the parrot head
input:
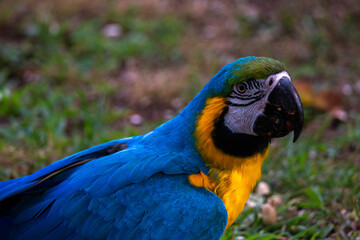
(262, 100)
(250, 101)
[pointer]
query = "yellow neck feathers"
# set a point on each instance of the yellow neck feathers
(231, 178)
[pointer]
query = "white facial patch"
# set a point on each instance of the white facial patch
(248, 100)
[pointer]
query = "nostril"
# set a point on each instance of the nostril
(271, 81)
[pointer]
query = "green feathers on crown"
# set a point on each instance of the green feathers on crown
(241, 70)
(253, 68)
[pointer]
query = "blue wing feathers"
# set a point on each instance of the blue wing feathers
(134, 193)
(32, 212)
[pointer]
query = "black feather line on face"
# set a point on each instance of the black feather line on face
(255, 99)
(236, 144)
(247, 96)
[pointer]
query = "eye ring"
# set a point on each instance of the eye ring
(241, 88)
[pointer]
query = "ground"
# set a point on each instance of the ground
(76, 73)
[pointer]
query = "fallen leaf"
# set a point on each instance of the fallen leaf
(327, 100)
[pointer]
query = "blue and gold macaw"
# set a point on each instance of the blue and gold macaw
(187, 179)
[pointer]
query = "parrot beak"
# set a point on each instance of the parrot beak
(283, 112)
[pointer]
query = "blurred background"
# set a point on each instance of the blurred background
(76, 73)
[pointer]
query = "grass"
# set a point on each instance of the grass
(66, 85)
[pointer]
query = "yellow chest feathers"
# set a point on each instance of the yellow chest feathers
(231, 178)
(234, 186)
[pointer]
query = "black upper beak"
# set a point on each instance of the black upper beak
(283, 112)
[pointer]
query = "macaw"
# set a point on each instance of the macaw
(187, 179)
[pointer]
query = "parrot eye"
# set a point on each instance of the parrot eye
(241, 88)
